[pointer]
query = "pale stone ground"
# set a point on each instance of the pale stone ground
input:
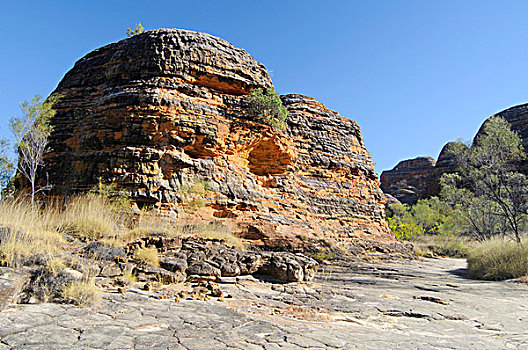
(406, 305)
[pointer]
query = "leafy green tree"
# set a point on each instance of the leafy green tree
(267, 107)
(137, 30)
(428, 216)
(490, 195)
(31, 131)
(402, 223)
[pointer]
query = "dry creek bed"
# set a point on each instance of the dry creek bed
(421, 304)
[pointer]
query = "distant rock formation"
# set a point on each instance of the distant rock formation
(164, 109)
(409, 180)
(419, 178)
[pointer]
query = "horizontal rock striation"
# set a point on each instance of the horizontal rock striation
(163, 111)
(409, 180)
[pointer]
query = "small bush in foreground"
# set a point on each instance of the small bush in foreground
(148, 255)
(26, 231)
(129, 278)
(89, 217)
(498, 260)
(82, 293)
(55, 265)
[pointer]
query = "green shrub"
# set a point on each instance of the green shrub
(428, 216)
(137, 30)
(321, 256)
(267, 107)
(497, 260)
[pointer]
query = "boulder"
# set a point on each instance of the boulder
(161, 110)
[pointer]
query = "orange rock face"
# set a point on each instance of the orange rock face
(163, 110)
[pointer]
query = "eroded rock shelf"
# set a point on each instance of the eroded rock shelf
(428, 304)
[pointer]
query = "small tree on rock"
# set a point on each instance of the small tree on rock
(137, 30)
(31, 131)
(267, 107)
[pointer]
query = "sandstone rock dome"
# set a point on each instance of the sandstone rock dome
(164, 109)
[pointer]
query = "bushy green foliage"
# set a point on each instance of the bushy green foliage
(137, 30)
(498, 260)
(428, 216)
(267, 107)
(489, 193)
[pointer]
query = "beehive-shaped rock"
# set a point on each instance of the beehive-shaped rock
(163, 110)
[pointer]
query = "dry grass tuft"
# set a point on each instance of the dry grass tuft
(149, 256)
(82, 293)
(156, 224)
(498, 260)
(443, 245)
(26, 231)
(55, 265)
(89, 217)
(153, 224)
(130, 278)
(213, 230)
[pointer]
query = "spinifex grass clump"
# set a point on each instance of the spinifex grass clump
(82, 293)
(149, 256)
(89, 217)
(26, 231)
(498, 260)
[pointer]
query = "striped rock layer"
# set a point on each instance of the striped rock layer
(162, 115)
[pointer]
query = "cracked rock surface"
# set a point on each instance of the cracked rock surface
(425, 304)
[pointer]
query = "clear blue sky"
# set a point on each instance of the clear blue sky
(413, 74)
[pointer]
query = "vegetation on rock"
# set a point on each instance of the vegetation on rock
(82, 293)
(266, 106)
(148, 256)
(137, 30)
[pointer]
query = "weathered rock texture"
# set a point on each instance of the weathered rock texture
(163, 110)
(409, 180)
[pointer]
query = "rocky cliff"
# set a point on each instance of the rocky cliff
(408, 181)
(164, 111)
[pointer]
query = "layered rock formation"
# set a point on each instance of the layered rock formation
(409, 180)
(164, 110)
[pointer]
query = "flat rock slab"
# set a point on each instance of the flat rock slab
(425, 304)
